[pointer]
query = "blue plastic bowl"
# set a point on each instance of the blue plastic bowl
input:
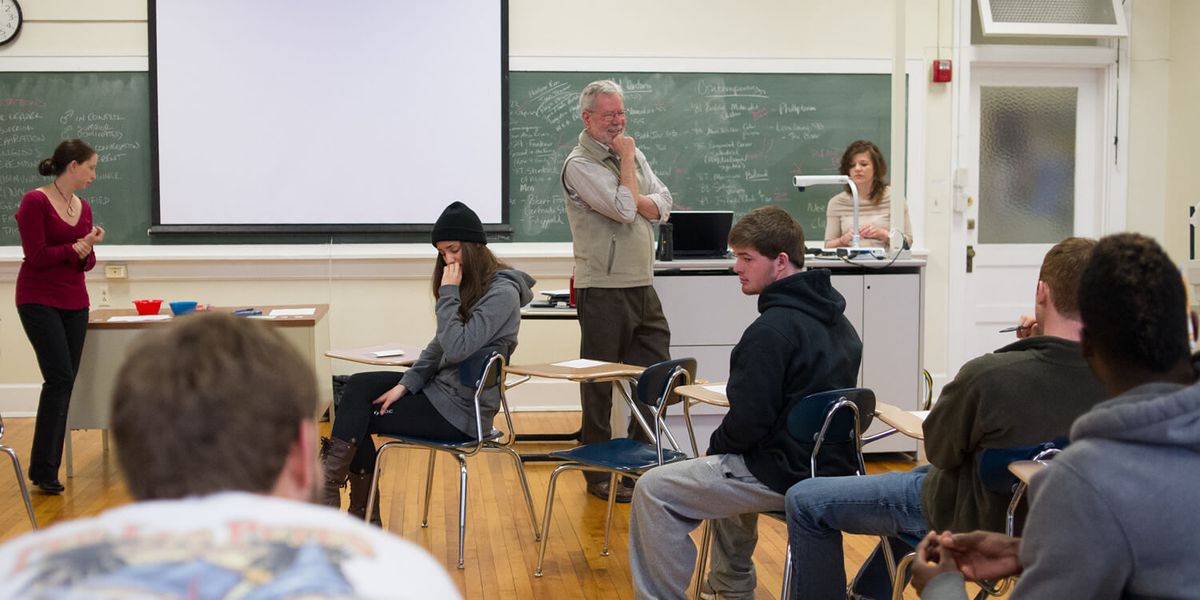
(183, 307)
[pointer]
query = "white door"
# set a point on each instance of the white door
(1032, 154)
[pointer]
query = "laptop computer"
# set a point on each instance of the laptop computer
(701, 233)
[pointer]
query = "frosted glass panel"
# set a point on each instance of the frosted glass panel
(1090, 12)
(1026, 164)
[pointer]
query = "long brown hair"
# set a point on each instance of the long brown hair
(879, 179)
(479, 267)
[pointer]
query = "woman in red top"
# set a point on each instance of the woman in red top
(57, 236)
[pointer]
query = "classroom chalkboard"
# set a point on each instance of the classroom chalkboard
(720, 141)
(109, 111)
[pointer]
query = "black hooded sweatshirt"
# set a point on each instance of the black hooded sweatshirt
(801, 343)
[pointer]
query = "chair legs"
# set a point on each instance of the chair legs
(900, 575)
(462, 489)
(21, 482)
(548, 513)
(702, 564)
(612, 501)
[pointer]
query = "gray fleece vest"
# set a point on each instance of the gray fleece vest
(608, 254)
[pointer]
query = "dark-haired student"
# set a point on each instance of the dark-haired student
(1114, 515)
(478, 310)
(57, 237)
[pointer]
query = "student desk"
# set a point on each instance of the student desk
(1025, 469)
(366, 355)
(907, 422)
(108, 342)
(548, 312)
(596, 373)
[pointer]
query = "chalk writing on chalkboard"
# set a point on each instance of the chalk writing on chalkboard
(719, 141)
(109, 111)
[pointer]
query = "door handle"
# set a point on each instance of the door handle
(970, 259)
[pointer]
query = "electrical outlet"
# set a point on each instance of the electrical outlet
(115, 272)
(103, 297)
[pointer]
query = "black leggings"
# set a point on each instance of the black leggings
(57, 338)
(412, 415)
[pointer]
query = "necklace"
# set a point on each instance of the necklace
(71, 210)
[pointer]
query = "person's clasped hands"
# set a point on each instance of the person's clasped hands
(83, 246)
(978, 556)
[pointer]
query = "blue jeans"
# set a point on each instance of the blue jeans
(821, 508)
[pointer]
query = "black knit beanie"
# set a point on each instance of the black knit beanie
(458, 223)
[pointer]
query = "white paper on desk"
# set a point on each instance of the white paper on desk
(386, 353)
(920, 414)
(292, 312)
(579, 363)
(259, 316)
(138, 318)
(718, 388)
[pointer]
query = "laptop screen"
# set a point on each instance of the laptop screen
(700, 233)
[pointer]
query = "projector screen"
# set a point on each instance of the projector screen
(302, 113)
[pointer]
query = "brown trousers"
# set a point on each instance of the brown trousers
(617, 325)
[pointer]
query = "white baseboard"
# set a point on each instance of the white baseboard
(19, 400)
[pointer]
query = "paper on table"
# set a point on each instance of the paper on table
(718, 388)
(580, 363)
(383, 353)
(556, 292)
(293, 312)
(920, 414)
(138, 318)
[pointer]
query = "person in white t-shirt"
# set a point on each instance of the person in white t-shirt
(213, 424)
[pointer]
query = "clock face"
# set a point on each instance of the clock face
(10, 20)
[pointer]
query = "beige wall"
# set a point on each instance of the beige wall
(1165, 56)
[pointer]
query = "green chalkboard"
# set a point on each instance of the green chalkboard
(719, 141)
(109, 111)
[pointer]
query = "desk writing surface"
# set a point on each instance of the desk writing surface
(98, 319)
(606, 371)
(366, 355)
(703, 394)
(1025, 469)
(906, 422)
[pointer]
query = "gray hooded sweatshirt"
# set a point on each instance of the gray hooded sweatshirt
(1114, 515)
(495, 320)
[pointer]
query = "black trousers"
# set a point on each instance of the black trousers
(617, 325)
(357, 417)
(57, 338)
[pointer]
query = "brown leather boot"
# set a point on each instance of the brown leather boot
(360, 488)
(335, 463)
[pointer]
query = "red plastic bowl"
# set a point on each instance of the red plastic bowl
(147, 307)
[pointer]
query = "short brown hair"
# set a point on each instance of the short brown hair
(770, 230)
(212, 403)
(1062, 270)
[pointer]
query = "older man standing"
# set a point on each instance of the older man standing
(613, 201)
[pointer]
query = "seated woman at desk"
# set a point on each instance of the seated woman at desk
(478, 310)
(864, 164)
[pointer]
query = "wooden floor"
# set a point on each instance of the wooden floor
(500, 550)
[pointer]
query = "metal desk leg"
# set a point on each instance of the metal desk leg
(68, 455)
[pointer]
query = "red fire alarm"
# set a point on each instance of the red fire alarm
(941, 70)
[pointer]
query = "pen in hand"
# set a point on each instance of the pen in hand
(1010, 329)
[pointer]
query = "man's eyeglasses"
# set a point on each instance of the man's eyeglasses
(610, 115)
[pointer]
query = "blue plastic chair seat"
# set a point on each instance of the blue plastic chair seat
(620, 454)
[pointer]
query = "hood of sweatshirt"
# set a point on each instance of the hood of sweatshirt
(1162, 414)
(519, 280)
(809, 292)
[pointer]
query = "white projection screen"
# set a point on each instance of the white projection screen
(305, 113)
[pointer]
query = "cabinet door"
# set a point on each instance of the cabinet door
(892, 348)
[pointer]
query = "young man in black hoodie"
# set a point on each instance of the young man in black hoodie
(801, 343)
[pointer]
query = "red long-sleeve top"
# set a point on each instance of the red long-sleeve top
(52, 273)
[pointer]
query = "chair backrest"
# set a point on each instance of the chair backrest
(488, 367)
(655, 388)
(993, 463)
(832, 417)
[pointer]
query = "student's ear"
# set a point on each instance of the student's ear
(298, 479)
(1042, 295)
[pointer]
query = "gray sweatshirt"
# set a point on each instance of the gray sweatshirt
(1114, 516)
(495, 320)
